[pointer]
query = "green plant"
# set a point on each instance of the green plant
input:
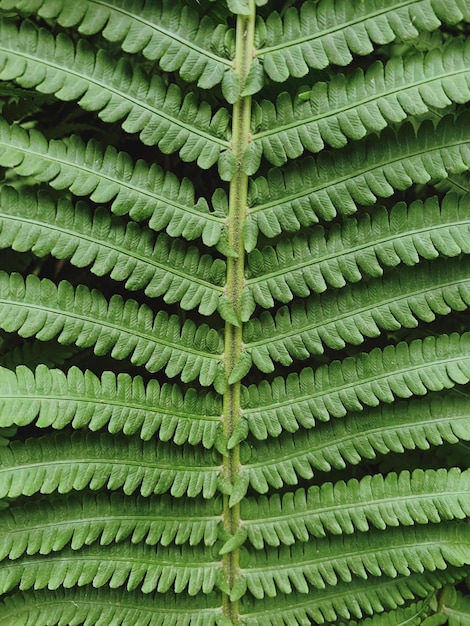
(233, 312)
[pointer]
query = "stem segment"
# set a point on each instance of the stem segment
(235, 282)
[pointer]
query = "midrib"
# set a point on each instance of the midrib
(238, 194)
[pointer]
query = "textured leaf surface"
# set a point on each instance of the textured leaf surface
(63, 463)
(122, 403)
(318, 34)
(337, 182)
(342, 508)
(351, 107)
(143, 191)
(124, 564)
(162, 115)
(171, 33)
(123, 328)
(400, 371)
(358, 248)
(344, 600)
(86, 605)
(105, 519)
(392, 428)
(314, 564)
(354, 313)
(110, 246)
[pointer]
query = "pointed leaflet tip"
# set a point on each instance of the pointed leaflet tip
(227, 312)
(241, 368)
(234, 542)
(239, 7)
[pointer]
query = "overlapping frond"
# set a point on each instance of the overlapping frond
(120, 565)
(119, 403)
(123, 328)
(455, 605)
(391, 428)
(125, 251)
(161, 115)
(318, 34)
(137, 189)
(103, 518)
(357, 248)
(64, 463)
(337, 182)
(400, 371)
(101, 607)
(344, 600)
(354, 313)
(411, 615)
(299, 454)
(172, 33)
(353, 106)
(322, 562)
(344, 507)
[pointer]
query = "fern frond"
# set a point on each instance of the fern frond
(120, 565)
(415, 425)
(351, 107)
(344, 600)
(456, 183)
(456, 606)
(356, 249)
(400, 371)
(319, 34)
(172, 33)
(326, 561)
(162, 115)
(120, 403)
(127, 252)
(105, 606)
(47, 525)
(137, 189)
(39, 308)
(411, 615)
(349, 315)
(34, 353)
(378, 501)
(64, 462)
(337, 182)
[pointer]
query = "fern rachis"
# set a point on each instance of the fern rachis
(234, 293)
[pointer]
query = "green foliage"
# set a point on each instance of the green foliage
(234, 294)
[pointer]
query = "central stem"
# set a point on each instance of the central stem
(235, 282)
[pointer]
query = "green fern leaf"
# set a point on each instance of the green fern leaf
(193, 569)
(173, 33)
(86, 605)
(140, 190)
(34, 353)
(47, 465)
(49, 397)
(354, 599)
(357, 437)
(307, 565)
(105, 519)
(162, 116)
(339, 181)
(125, 251)
(319, 34)
(123, 328)
(358, 104)
(356, 249)
(352, 314)
(378, 501)
(455, 606)
(380, 376)
(412, 615)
